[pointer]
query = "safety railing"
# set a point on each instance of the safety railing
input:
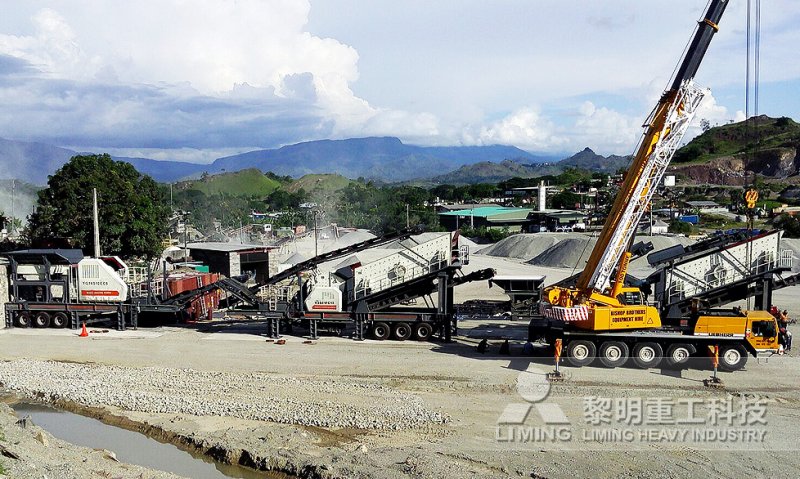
(720, 275)
(367, 287)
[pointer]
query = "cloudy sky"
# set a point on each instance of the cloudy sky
(197, 79)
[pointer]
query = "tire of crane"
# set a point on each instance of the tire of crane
(422, 331)
(60, 320)
(581, 352)
(732, 357)
(381, 331)
(401, 331)
(647, 355)
(678, 355)
(613, 354)
(41, 320)
(22, 319)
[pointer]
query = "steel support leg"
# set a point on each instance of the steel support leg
(360, 322)
(313, 332)
(273, 327)
(764, 300)
(444, 307)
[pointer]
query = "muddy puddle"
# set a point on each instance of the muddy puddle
(131, 447)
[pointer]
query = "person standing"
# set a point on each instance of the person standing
(783, 327)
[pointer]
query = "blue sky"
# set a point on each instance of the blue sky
(194, 80)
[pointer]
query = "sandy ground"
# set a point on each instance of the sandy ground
(567, 430)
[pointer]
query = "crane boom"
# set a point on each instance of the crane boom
(664, 130)
(593, 298)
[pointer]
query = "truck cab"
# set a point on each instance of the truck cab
(759, 329)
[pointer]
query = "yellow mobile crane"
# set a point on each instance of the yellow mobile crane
(605, 318)
(665, 128)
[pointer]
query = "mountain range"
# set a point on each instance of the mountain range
(491, 172)
(380, 158)
(722, 155)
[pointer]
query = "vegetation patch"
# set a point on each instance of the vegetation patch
(250, 182)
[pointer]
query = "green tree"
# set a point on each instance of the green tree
(680, 227)
(132, 208)
(565, 199)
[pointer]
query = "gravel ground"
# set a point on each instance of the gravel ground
(233, 395)
(254, 396)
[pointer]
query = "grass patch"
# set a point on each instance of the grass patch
(250, 182)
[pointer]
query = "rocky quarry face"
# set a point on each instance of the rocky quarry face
(738, 170)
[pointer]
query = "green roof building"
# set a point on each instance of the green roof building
(486, 216)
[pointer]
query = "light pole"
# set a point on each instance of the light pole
(185, 235)
(472, 216)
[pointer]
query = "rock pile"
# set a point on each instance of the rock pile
(333, 403)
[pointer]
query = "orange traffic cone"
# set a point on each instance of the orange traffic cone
(84, 333)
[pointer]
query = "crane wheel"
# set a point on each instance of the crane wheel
(402, 331)
(22, 319)
(581, 352)
(41, 320)
(678, 355)
(59, 320)
(422, 331)
(647, 355)
(732, 358)
(613, 354)
(381, 331)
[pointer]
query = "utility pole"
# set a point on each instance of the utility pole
(185, 236)
(13, 194)
(96, 224)
(407, 222)
(472, 216)
(316, 235)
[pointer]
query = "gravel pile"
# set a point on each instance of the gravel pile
(567, 250)
(348, 239)
(568, 253)
(523, 246)
(333, 403)
(473, 246)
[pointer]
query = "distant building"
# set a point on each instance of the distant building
(789, 210)
(515, 219)
(706, 207)
(657, 228)
(444, 207)
(523, 220)
(232, 259)
(556, 220)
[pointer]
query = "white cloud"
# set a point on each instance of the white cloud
(606, 130)
(714, 113)
(222, 74)
(525, 128)
(599, 128)
(211, 47)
